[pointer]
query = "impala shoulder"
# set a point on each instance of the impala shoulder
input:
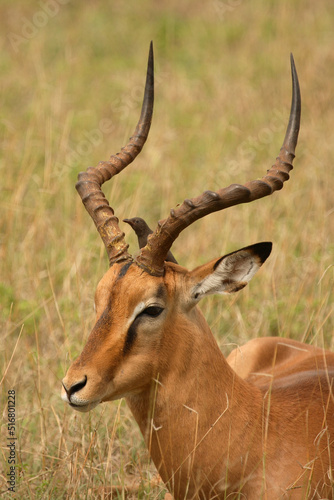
(252, 357)
(260, 355)
(263, 358)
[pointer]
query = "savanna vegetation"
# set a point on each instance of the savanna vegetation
(72, 76)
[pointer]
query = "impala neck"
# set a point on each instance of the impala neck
(195, 397)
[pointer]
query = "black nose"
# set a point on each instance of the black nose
(75, 387)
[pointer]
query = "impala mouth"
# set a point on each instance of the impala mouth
(82, 405)
(84, 408)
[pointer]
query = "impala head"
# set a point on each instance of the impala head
(145, 305)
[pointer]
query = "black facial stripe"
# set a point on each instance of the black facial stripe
(124, 270)
(130, 337)
(132, 331)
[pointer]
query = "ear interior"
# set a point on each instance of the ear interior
(231, 272)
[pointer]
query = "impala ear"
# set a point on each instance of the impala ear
(229, 273)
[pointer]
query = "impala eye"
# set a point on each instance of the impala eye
(153, 311)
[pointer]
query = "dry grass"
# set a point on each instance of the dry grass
(222, 100)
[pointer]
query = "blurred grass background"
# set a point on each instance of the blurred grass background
(72, 77)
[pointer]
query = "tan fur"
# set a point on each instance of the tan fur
(257, 425)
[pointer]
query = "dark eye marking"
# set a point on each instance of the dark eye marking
(130, 337)
(152, 311)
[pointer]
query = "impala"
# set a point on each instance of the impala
(258, 424)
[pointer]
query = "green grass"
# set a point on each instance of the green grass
(222, 101)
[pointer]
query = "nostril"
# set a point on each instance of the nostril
(75, 387)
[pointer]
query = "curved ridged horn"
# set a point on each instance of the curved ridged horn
(152, 257)
(90, 182)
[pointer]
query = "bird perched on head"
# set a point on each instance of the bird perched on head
(142, 231)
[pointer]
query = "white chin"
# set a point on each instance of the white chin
(84, 408)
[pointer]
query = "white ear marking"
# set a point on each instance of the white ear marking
(232, 272)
